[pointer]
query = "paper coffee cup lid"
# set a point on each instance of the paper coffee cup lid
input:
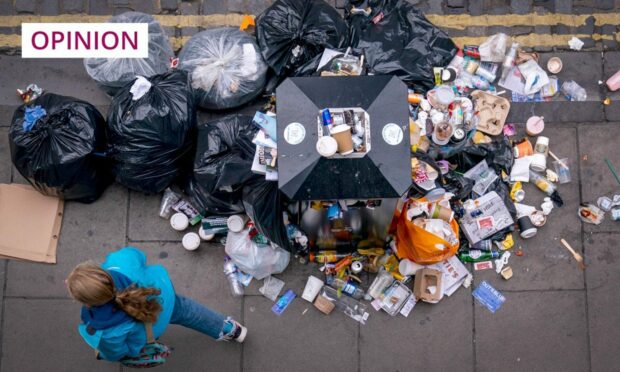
(236, 223)
(326, 146)
(204, 236)
(191, 241)
(179, 221)
(526, 234)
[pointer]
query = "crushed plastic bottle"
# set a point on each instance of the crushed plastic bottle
(230, 270)
(574, 91)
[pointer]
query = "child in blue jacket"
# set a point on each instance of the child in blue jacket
(123, 293)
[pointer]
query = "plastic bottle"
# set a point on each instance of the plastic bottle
(475, 255)
(349, 288)
(327, 256)
(542, 183)
(509, 60)
(230, 270)
(573, 91)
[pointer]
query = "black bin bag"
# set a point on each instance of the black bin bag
(291, 32)
(398, 40)
(111, 74)
(61, 153)
(265, 205)
(225, 66)
(152, 138)
(222, 165)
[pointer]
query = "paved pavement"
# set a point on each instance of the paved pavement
(556, 317)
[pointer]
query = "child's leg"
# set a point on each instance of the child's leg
(198, 317)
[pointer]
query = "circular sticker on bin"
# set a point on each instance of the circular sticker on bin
(392, 134)
(294, 133)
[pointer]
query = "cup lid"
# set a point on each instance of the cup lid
(326, 146)
(191, 241)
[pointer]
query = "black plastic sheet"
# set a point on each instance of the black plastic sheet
(398, 40)
(62, 154)
(151, 139)
(292, 32)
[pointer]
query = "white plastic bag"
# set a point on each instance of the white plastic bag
(494, 48)
(113, 73)
(260, 261)
(225, 66)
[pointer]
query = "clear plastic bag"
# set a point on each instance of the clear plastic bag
(113, 73)
(226, 67)
(258, 260)
(494, 48)
(271, 288)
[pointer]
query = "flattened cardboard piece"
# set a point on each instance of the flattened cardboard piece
(30, 224)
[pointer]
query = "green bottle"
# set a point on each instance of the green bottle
(475, 255)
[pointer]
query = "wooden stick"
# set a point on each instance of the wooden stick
(558, 160)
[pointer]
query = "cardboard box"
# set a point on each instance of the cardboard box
(30, 226)
(425, 279)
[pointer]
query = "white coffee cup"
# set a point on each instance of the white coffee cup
(313, 287)
(179, 221)
(326, 146)
(203, 234)
(191, 241)
(408, 267)
(236, 223)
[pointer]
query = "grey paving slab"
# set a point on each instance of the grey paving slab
(533, 331)
(41, 335)
(5, 156)
(603, 282)
(597, 143)
(610, 67)
(546, 264)
(144, 221)
(586, 68)
(88, 232)
(51, 75)
(433, 338)
(197, 275)
(296, 341)
(6, 114)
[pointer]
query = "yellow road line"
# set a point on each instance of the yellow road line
(454, 21)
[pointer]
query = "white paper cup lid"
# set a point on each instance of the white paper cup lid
(326, 146)
(191, 241)
(179, 221)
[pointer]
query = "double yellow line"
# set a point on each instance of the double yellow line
(446, 22)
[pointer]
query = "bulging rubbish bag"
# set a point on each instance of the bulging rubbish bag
(222, 165)
(57, 144)
(292, 32)
(398, 40)
(421, 246)
(264, 204)
(152, 137)
(113, 73)
(225, 67)
(258, 260)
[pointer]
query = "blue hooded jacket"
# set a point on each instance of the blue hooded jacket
(126, 336)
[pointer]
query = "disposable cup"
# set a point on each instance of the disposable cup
(179, 221)
(563, 170)
(313, 286)
(237, 222)
(326, 146)
(191, 241)
(342, 135)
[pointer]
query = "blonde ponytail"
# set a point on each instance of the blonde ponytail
(93, 286)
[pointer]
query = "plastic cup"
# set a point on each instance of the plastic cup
(237, 222)
(312, 289)
(342, 135)
(191, 241)
(408, 267)
(563, 170)
(179, 221)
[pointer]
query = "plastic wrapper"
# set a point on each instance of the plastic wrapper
(398, 40)
(113, 73)
(271, 287)
(493, 49)
(225, 67)
(260, 261)
(292, 32)
(60, 151)
(264, 204)
(151, 138)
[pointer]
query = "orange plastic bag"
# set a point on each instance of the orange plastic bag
(419, 245)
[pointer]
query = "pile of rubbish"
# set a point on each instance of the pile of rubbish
(464, 203)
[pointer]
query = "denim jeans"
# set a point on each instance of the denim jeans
(191, 314)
